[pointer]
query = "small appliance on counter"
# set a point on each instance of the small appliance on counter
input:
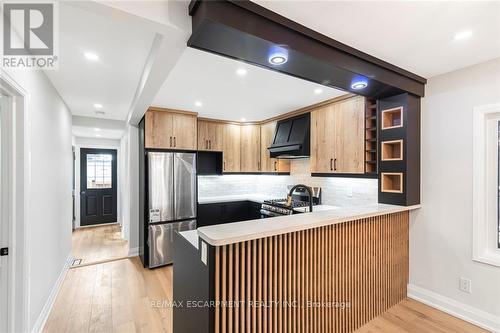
(170, 202)
(300, 198)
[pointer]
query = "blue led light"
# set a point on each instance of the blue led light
(277, 55)
(359, 82)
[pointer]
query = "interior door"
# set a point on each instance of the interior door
(98, 179)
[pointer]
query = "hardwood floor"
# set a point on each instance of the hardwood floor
(115, 296)
(95, 244)
(410, 316)
(119, 296)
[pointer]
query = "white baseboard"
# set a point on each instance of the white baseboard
(44, 314)
(133, 252)
(457, 309)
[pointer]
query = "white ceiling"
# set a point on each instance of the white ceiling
(414, 35)
(212, 80)
(88, 127)
(122, 47)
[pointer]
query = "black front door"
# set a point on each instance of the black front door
(97, 186)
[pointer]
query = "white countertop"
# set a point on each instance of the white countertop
(229, 233)
(191, 236)
(317, 208)
(259, 198)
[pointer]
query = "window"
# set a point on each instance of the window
(99, 168)
(486, 184)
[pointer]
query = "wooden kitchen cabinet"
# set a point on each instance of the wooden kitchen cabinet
(170, 130)
(337, 137)
(250, 148)
(322, 139)
(231, 147)
(268, 164)
(210, 136)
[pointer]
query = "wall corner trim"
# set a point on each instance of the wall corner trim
(47, 308)
(133, 252)
(457, 309)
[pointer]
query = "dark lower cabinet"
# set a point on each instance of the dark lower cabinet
(227, 212)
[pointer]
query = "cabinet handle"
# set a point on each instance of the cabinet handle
(174, 142)
(335, 164)
(224, 166)
(275, 168)
(258, 166)
(331, 161)
(170, 141)
(209, 144)
(206, 144)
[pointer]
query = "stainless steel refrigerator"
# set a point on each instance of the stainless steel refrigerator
(171, 200)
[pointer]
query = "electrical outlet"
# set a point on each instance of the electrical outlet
(465, 285)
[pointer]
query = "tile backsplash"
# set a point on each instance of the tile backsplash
(336, 191)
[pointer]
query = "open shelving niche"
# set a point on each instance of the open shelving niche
(392, 182)
(391, 150)
(371, 136)
(392, 118)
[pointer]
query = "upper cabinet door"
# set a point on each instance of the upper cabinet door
(158, 130)
(184, 128)
(231, 148)
(323, 139)
(209, 135)
(349, 136)
(250, 148)
(266, 139)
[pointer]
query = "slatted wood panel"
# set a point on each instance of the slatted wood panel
(329, 279)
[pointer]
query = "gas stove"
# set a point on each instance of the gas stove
(279, 207)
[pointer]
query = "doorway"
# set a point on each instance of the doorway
(98, 235)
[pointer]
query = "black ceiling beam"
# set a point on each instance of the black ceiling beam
(245, 31)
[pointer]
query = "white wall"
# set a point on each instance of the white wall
(130, 188)
(441, 231)
(81, 142)
(48, 206)
(335, 191)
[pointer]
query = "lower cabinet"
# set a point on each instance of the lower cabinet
(227, 212)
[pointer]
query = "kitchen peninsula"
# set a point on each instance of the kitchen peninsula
(333, 269)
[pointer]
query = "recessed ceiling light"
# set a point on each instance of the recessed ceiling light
(241, 71)
(463, 35)
(359, 85)
(100, 113)
(243, 119)
(97, 129)
(318, 91)
(98, 106)
(91, 56)
(278, 55)
(198, 104)
(98, 135)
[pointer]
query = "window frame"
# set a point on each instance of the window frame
(485, 174)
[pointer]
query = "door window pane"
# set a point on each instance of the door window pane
(99, 171)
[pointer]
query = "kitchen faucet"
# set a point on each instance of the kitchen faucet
(309, 191)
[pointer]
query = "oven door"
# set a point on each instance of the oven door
(264, 213)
